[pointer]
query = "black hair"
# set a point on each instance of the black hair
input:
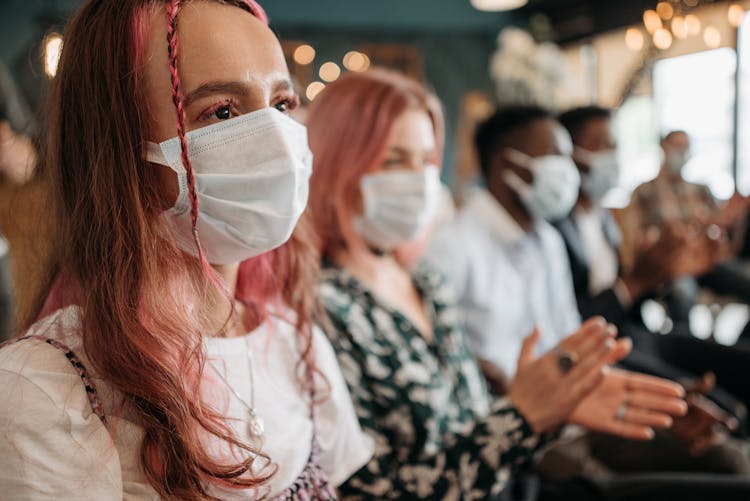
(492, 134)
(673, 133)
(576, 119)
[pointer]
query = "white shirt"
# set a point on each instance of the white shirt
(508, 281)
(54, 447)
(604, 265)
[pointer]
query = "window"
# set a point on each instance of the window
(743, 115)
(696, 93)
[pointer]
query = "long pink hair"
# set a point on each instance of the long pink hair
(349, 123)
(144, 303)
(284, 279)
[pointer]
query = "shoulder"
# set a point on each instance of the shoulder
(50, 425)
(40, 355)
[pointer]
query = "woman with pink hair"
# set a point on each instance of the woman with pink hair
(155, 367)
(377, 139)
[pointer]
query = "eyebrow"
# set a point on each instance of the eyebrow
(284, 84)
(229, 87)
(403, 151)
(216, 87)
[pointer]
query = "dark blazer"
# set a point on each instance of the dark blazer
(647, 355)
(606, 302)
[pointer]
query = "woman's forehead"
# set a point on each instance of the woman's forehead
(215, 42)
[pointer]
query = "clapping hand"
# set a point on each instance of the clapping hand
(575, 384)
(630, 405)
(705, 424)
(546, 394)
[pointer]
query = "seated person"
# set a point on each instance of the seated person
(592, 239)
(397, 333)
(670, 201)
(508, 264)
(17, 161)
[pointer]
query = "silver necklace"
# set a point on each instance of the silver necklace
(255, 424)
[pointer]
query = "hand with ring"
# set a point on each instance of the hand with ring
(630, 405)
(547, 389)
(574, 384)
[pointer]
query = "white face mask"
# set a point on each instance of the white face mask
(252, 177)
(676, 160)
(556, 184)
(399, 206)
(604, 172)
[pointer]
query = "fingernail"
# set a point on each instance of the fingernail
(650, 434)
(609, 344)
(611, 330)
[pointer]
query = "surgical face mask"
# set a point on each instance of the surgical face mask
(399, 206)
(604, 172)
(252, 177)
(555, 188)
(676, 159)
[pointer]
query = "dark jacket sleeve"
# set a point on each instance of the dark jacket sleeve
(605, 304)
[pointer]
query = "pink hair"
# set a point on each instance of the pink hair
(144, 302)
(287, 278)
(349, 124)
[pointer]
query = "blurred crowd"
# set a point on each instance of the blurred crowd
(417, 347)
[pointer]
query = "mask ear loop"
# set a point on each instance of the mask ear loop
(519, 158)
(172, 50)
(513, 180)
(582, 155)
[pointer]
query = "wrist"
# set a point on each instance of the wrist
(535, 422)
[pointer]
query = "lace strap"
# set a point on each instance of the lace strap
(312, 484)
(88, 382)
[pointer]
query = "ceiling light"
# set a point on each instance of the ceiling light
(712, 37)
(662, 39)
(356, 61)
(735, 15)
(693, 24)
(665, 10)
(52, 49)
(329, 72)
(498, 5)
(304, 54)
(634, 39)
(314, 89)
(679, 27)
(652, 21)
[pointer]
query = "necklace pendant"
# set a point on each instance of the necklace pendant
(255, 425)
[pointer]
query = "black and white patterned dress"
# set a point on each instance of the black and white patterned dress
(438, 434)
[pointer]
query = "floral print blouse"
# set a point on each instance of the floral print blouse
(438, 435)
